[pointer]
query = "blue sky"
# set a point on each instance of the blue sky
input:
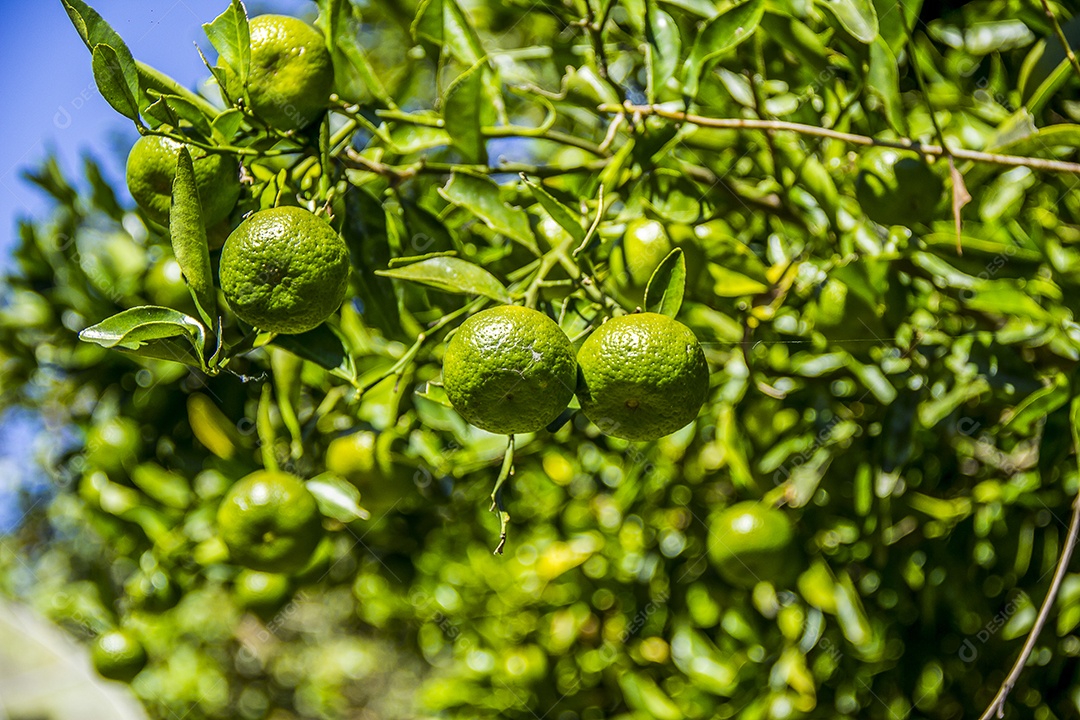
(51, 102)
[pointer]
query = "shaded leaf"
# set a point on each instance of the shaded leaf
(320, 345)
(453, 275)
(188, 235)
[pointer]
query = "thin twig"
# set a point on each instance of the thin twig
(1062, 38)
(996, 709)
(851, 138)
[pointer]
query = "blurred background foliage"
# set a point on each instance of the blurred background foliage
(907, 404)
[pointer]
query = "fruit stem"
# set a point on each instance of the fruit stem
(505, 472)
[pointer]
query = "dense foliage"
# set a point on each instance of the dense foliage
(902, 393)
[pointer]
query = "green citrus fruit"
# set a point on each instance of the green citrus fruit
(151, 167)
(270, 522)
(113, 444)
(365, 459)
(152, 591)
(509, 370)
(748, 543)
(897, 190)
(642, 376)
(118, 655)
(291, 73)
(261, 593)
(284, 270)
(644, 246)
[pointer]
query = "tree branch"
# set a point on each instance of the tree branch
(851, 138)
(996, 709)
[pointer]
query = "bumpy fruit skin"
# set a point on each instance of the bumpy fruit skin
(284, 270)
(642, 376)
(509, 370)
(896, 190)
(748, 543)
(270, 522)
(151, 167)
(118, 655)
(291, 73)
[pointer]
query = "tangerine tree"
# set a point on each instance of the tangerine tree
(752, 321)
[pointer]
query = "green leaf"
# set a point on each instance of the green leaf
(462, 115)
(642, 694)
(721, 34)
(480, 196)
(365, 232)
(1037, 406)
(148, 330)
(664, 293)
(167, 488)
(231, 37)
(337, 498)
(356, 77)
(560, 213)
(453, 275)
(883, 81)
(111, 81)
(665, 46)
(858, 17)
(444, 23)
(94, 31)
(173, 109)
(320, 345)
(225, 126)
(188, 235)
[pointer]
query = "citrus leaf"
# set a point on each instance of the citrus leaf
(721, 34)
(320, 345)
(462, 115)
(365, 232)
(225, 126)
(444, 23)
(665, 44)
(883, 81)
(453, 275)
(188, 235)
(858, 17)
(336, 498)
(231, 37)
(664, 293)
(94, 31)
(480, 196)
(172, 109)
(110, 80)
(559, 212)
(148, 331)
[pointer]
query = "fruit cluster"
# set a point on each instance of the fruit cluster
(512, 369)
